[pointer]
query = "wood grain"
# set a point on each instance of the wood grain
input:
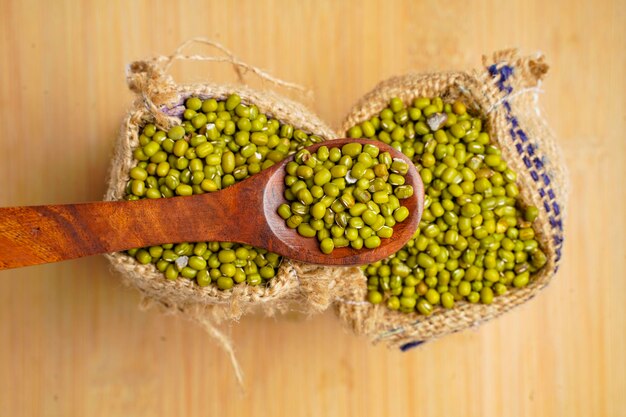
(246, 212)
(74, 343)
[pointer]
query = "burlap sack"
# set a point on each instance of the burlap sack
(504, 93)
(160, 100)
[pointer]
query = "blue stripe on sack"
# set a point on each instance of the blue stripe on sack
(519, 138)
(411, 345)
(502, 73)
(546, 206)
(527, 162)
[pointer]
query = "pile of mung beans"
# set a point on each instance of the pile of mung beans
(348, 196)
(218, 143)
(475, 241)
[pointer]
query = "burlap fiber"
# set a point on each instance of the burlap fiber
(504, 93)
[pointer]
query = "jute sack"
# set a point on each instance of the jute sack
(160, 100)
(504, 93)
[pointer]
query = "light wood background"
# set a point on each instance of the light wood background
(72, 340)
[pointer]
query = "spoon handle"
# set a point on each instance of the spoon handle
(52, 233)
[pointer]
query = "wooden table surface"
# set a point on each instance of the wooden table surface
(72, 339)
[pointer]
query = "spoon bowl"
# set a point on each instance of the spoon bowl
(289, 243)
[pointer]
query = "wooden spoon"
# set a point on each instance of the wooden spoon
(245, 212)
